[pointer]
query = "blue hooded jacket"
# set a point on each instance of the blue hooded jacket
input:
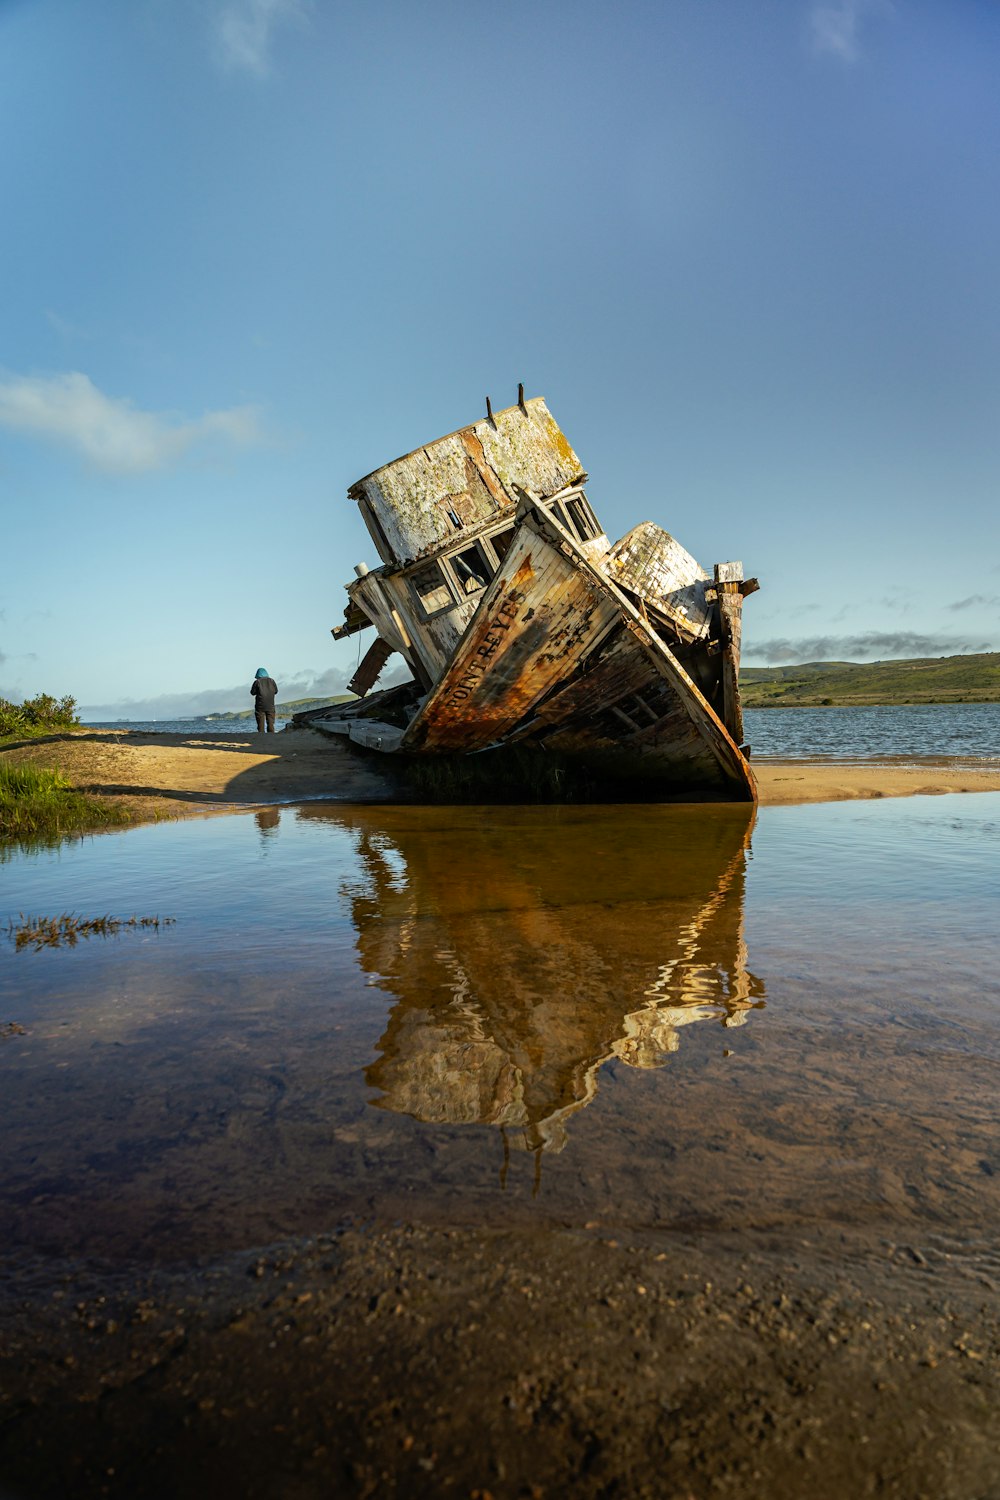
(265, 690)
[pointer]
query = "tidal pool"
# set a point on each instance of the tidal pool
(647, 1016)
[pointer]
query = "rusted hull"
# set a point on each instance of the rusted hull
(558, 656)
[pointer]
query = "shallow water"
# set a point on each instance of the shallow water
(653, 1016)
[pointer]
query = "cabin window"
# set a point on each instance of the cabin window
(582, 521)
(454, 518)
(431, 589)
(472, 569)
(501, 543)
(575, 516)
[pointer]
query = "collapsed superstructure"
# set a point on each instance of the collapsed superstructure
(523, 625)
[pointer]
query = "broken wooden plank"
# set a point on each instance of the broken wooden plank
(370, 667)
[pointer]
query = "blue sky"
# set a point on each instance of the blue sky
(251, 249)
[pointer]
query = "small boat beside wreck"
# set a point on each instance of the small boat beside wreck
(523, 625)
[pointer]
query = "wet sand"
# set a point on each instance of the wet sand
(172, 775)
(406, 1361)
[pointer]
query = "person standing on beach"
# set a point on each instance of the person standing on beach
(265, 690)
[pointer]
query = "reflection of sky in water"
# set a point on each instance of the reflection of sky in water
(507, 978)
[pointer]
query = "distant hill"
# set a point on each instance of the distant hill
(283, 710)
(933, 679)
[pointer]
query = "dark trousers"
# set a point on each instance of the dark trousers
(260, 716)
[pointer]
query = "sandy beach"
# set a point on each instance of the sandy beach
(173, 775)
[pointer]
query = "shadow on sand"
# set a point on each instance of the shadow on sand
(226, 770)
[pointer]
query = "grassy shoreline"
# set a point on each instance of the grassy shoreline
(37, 803)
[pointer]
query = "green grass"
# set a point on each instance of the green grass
(937, 679)
(42, 805)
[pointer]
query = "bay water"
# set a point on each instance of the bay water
(966, 732)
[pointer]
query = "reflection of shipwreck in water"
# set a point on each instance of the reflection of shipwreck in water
(523, 625)
(512, 987)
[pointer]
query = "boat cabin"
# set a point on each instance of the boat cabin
(442, 519)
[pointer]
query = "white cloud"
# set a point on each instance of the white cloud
(244, 32)
(873, 645)
(835, 27)
(108, 430)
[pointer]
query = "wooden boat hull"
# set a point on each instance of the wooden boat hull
(558, 656)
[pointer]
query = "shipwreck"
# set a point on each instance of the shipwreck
(523, 625)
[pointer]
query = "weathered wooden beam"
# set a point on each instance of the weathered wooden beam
(355, 619)
(371, 665)
(729, 603)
